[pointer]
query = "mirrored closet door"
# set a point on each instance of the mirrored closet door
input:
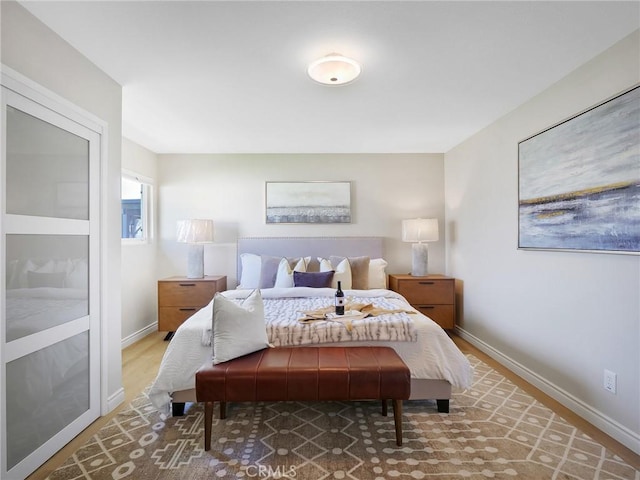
(50, 323)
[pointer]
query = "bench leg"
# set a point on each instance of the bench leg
(443, 406)
(177, 409)
(384, 408)
(397, 419)
(223, 410)
(208, 419)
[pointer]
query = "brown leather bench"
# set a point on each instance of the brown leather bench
(306, 373)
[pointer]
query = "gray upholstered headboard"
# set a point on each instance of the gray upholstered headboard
(310, 246)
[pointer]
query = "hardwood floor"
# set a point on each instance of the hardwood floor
(140, 364)
(139, 367)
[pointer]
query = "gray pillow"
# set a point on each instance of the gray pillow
(268, 271)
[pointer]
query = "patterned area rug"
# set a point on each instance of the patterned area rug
(494, 430)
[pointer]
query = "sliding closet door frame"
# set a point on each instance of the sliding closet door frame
(17, 84)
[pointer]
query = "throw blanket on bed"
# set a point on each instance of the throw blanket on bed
(282, 317)
(284, 328)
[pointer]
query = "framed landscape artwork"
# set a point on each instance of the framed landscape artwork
(308, 202)
(579, 181)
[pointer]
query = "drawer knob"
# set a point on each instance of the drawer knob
(426, 283)
(428, 307)
(187, 284)
(187, 309)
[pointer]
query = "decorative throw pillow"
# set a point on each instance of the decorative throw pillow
(251, 265)
(268, 270)
(377, 273)
(359, 270)
(238, 329)
(313, 279)
(284, 277)
(342, 272)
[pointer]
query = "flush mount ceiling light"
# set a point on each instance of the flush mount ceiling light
(334, 69)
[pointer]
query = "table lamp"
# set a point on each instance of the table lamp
(417, 231)
(196, 233)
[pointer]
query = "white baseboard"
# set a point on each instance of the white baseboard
(134, 337)
(609, 426)
(114, 400)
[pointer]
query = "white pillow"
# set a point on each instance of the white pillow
(342, 272)
(251, 268)
(238, 329)
(377, 273)
(284, 277)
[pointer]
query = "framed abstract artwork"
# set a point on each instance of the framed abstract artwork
(308, 202)
(579, 181)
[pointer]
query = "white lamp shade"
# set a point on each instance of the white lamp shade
(195, 231)
(334, 69)
(420, 230)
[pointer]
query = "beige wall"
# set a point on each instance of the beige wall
(559, 319)
(230, 190)
(139, 291)
(33, 50)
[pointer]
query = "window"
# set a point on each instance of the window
(136, 198)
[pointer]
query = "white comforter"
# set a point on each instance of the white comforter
(432, 356)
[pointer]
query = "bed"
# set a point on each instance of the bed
(435, 362)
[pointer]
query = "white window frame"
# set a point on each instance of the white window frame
(146, 208)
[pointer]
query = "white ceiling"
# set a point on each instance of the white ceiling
(230, 77)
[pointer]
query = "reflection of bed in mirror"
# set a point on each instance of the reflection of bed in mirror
(44, 293)
(434, 360)
(32, 310)
(48, 387)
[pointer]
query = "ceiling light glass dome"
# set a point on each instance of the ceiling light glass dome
(334, 69)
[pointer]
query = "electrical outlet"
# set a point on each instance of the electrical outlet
(610, 380)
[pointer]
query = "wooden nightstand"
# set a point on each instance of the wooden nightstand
(181, 297)
(433, 295)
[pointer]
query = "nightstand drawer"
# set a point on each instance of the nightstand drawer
(432, 295)
(172, 317)
(185, 293)
(441, 314)
(427, 291)
(181, 297)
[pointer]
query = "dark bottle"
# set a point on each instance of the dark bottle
(339, 300)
